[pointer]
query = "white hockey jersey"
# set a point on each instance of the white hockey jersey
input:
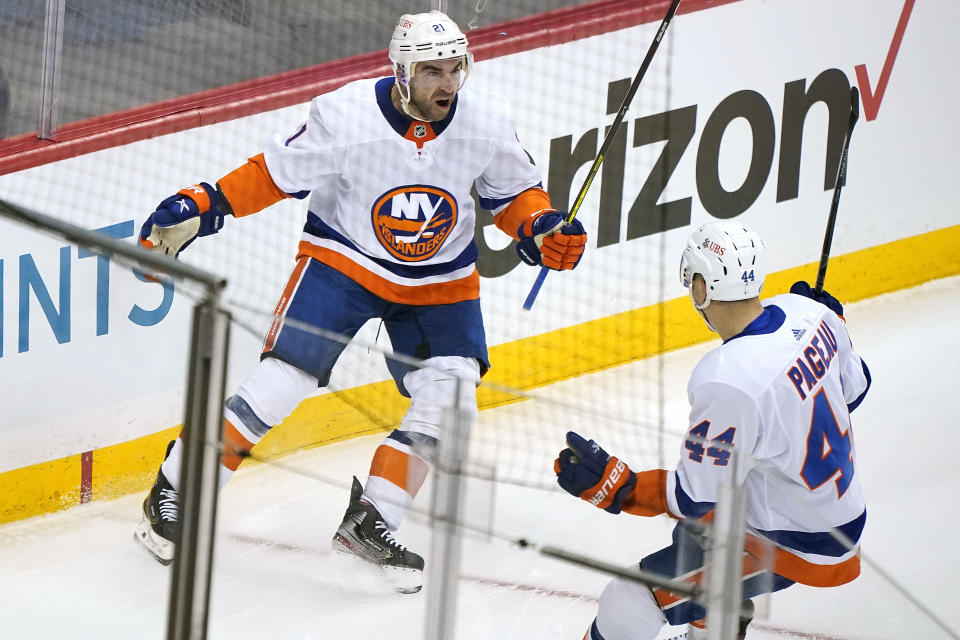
(781, 393)
(390, 203)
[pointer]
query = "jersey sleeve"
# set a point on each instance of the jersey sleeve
(249, 188)
(299, 161)
(521, 211)
(510, 171)
(720, 415)
(649, 495)
(854, 374)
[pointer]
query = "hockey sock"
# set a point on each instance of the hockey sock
(396, 475)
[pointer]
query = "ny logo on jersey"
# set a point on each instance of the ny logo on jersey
(412, 222)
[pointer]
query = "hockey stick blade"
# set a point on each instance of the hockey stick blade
(841, 179)
(608, 140)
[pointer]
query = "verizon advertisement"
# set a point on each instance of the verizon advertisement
(741, 115)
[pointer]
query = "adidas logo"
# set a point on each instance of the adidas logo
(798, 333)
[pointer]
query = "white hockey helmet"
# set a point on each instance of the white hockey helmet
(419, 37)
(731, 259)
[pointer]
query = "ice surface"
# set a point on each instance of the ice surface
(79, 574)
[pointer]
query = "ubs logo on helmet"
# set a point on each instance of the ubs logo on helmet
(413, 222)
(710, 245)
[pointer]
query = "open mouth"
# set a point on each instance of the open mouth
(444, 103)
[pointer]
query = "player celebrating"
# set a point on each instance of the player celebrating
(388, 165)
(779, 391)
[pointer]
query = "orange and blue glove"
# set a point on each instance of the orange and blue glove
(587, 471)
(195, 211)
(549, 241)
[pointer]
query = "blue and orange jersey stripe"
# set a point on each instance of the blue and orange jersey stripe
(455, 290)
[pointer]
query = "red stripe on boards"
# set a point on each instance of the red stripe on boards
(86, 477)
(300, 85)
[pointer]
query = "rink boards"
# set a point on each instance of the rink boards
(750, 125)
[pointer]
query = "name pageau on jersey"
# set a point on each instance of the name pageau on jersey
(390, 203)
(781, 392)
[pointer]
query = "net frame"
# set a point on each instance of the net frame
(189, 599)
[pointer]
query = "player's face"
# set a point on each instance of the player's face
(433, 88)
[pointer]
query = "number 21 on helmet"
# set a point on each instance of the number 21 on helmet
(419, 37)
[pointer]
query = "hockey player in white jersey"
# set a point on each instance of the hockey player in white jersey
(388, 165)
(779, 390)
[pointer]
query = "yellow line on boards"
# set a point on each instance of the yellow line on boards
(525, 364)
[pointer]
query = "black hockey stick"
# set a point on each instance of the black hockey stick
(607, 141)
(841, 179)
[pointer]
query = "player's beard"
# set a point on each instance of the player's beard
(429, 109)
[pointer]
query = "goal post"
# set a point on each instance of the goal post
(188, 612)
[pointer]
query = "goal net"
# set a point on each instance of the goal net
(116, 73)
(105, 112)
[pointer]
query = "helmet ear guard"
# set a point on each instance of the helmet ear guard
(420, 37)
(730, 258)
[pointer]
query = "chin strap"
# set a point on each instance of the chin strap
(707, 322)
(700, 309)
(405, 100)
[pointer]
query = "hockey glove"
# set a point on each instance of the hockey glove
(547, 240)
(803, 289)
(195, 211)
(585, 470)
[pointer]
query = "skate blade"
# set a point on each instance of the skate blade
(158, 547)
(397, 579)
(403, 580)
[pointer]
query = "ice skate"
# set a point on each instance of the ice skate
(365, 535)
(159, 529)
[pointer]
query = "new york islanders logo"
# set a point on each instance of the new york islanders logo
(413, 222)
